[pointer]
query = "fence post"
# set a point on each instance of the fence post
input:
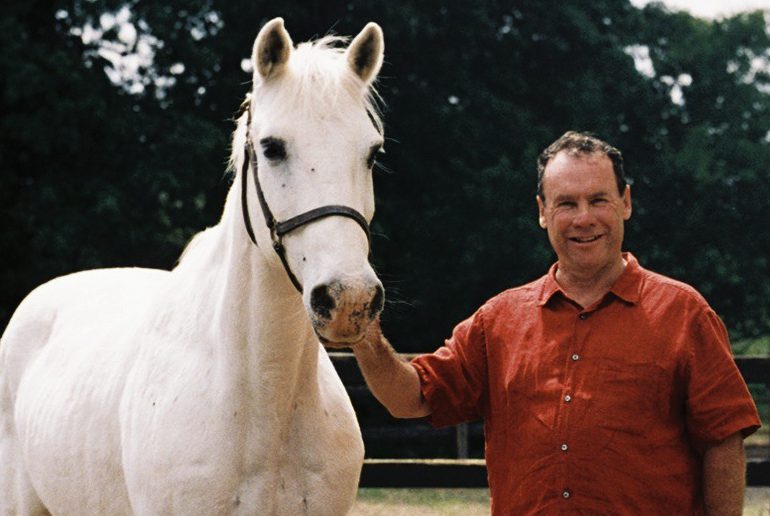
(462, 441)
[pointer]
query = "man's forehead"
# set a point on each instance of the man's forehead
(579, 173)
(579, 164)
(577, 155)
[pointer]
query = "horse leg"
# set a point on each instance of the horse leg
(17, 496)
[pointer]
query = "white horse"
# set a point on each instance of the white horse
(204, 390)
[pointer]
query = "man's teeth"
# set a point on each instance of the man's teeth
(585, 240)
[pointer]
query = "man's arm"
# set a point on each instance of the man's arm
(724, 477)
(391, 379)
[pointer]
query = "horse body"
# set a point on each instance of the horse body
(204, 390)
(65, 356)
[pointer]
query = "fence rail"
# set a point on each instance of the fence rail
(390, 443)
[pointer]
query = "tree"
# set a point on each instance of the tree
(103, 174)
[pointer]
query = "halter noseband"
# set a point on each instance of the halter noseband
(279, 229)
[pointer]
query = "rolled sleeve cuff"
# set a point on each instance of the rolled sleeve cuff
(439, 417)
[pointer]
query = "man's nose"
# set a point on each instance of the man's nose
(584, 216)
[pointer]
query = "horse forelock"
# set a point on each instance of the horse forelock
(318, 74)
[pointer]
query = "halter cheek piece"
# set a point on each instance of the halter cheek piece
(279, 229)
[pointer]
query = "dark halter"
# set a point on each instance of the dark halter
(279, 229)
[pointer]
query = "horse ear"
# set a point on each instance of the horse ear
(272, 49)
(365, 52)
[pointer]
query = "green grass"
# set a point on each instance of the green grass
(475, 502)
(421, 502)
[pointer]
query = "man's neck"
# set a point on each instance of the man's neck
(588, 287)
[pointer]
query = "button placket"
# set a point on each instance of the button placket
(582, 328)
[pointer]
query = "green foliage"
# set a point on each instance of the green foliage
(94, 175)
(759, 346)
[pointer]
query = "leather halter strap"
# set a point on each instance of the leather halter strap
(279, 229)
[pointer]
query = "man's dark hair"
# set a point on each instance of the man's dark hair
(574, 143)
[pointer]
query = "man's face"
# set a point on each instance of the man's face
(583, 212)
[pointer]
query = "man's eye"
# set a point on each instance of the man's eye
(273, 149)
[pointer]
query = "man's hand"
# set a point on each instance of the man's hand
(392, 380)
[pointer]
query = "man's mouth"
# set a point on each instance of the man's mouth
(586, 239)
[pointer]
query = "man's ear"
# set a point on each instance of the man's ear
(540, 211)
(627, 208)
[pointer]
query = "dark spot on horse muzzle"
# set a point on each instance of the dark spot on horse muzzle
(322, 302)
(377, 303)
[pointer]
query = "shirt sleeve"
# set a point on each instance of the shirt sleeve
(718, 401)
(454, 378)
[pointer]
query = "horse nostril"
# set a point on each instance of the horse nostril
(321, 302)
(378, 301)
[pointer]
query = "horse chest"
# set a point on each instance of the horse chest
(301, 479)
(312, 466)
(189, 447)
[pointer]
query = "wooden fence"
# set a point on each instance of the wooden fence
(411, 453)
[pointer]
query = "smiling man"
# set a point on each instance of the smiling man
(604, 388)
(587, 205)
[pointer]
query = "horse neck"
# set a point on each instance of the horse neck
(261, 331)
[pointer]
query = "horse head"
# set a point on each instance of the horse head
(312, 136)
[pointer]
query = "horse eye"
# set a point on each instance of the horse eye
(273, 149)
(376, 149)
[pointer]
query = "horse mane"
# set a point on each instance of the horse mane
(318, 73)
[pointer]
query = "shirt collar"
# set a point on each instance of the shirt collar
(629, 285)
(550, 286)
(626, 287)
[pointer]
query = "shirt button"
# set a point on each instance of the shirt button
(567, 398)
(565, 494)
(583, 317)
(564, 447)
(576, 357)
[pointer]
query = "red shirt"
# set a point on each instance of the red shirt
(604, 410)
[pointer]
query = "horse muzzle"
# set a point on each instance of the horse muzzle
(340, 311)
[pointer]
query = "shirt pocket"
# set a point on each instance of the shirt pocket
(628, 397)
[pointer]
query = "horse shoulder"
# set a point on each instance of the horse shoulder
(78, 300)
(63, 362)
